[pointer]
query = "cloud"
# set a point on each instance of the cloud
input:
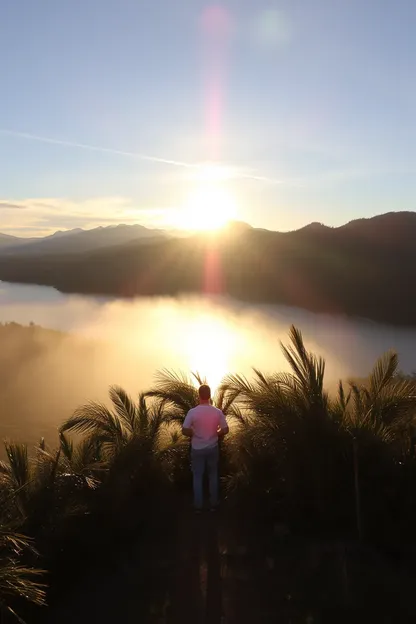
(43, 216)
(4, 205)
(240, 174)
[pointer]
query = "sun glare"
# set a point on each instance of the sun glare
(209, 346)
(210, 206)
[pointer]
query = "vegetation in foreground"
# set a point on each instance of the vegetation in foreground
(319, 502)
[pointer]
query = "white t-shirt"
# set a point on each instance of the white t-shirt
(204, 420)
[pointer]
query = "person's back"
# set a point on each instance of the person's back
(206, 421)
(204, 424)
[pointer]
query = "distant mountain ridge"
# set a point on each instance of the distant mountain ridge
(8, 239)
(365, 268)
(76, 240)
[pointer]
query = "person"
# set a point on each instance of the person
(205, 425)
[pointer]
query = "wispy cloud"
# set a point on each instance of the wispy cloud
(46, 215)
(4, 205)
(234, 172)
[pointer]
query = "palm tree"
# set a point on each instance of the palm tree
(379, 415)
(286, 447)
(109, 431)
(15, 478)
(18, 582)
(82, 460)
(179, 393)
(35, 491)
(300, 447)
(385, 404)
(131, 440)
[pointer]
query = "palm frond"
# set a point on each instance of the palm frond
(87, 457)
(175, 389)
(124, 406)
(198, 378)
(66, 445)
(383, 372)
(96, 419)
(156, 419)
(46, 466)
(16, 579)
(238, 385)
(267, 382)
(143, 416)
(308, 369)
(238, 415)
(5, 469)
(343, 398)
(18, 458)
(225, 397)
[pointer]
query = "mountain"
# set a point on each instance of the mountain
(76, 240)
(8, 240)
(365, 268)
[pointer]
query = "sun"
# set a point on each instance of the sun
(210, 206)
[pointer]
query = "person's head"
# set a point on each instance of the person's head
(204, 393)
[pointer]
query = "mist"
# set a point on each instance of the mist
(97, 342)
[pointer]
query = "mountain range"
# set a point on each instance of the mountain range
(365, 268)
(76, 240)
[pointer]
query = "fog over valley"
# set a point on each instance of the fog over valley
(97, 342)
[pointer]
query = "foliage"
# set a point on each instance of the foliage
(17, 581)
(296, 458)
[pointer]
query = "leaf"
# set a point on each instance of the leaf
(383, 372)
(19, 463)
(125, 407)
(66, 445)
(175, 389)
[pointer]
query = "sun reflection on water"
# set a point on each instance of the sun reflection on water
(210, 344)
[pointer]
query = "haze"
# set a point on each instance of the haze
(126, 342)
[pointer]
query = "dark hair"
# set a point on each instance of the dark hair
(204, 392)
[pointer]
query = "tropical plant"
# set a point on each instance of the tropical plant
(108, 430)
(179, 393)
(130, 439)
(19, 582)
(176, 391)
(385, 403)
(379, 416)
(36, 491)
(297, 458)
(285, 450)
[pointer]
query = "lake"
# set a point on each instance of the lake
(213, 336)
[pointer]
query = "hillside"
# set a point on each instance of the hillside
(76, 240)
(7, 240)
(365, 268)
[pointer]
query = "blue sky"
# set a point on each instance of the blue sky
(315, 109)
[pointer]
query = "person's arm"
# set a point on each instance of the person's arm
(223, 428)
(187, 426)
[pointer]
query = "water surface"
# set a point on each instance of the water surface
(135, 338)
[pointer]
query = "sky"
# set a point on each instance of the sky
(110, 110)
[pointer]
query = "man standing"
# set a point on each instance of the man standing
(205, 424)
